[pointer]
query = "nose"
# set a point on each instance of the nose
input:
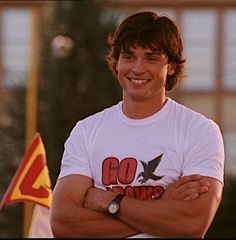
(138, 66)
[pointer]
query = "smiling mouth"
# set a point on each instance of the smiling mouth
(138, 81)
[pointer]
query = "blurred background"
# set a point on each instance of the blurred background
(53, 73)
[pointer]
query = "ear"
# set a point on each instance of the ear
(171, 68)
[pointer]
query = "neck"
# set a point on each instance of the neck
(142, 109)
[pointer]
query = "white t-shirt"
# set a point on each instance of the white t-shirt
(142, 157)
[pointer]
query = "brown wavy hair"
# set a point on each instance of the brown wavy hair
(147, 29)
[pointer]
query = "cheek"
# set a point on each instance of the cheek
(165, 70)
(122, 68)
(160, 72)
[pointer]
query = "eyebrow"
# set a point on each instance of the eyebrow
(158, 52)
(153, 53)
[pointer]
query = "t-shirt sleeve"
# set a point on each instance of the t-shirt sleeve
(204, 151)
(75, 159)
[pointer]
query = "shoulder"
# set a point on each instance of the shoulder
(193, 121)
(190, 115)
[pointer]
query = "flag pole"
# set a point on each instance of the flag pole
(31, 104)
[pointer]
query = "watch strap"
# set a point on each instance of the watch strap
(118, 198)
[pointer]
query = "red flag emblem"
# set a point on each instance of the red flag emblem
(31, 182)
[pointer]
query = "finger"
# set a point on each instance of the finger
(193, 185)
(188, 193)
(178, 189)
(186, 179)
(191, 197)
(196, 194)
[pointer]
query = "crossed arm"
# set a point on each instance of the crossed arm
(187, 208)
(70, 219)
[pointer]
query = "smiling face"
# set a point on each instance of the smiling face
(147, 29)
(142, 73)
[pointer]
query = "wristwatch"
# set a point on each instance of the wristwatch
(114, 206)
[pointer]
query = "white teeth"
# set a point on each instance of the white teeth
(138, 80)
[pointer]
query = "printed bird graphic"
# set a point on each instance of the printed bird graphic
(149, 168)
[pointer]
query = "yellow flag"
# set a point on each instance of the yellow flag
(31, 182)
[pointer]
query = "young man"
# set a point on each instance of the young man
(147, 166)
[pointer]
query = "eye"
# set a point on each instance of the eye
(154, 59)
(127, 56)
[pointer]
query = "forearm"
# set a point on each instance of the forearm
(69, 218)
(81, 222)
(167, 217)
(173, 218)
(164, 218)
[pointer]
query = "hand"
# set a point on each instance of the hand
(98, 199)
(186, 188)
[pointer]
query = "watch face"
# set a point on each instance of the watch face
(113, 208)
